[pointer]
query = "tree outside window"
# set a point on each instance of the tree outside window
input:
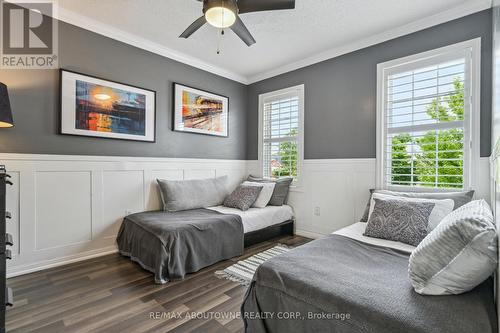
(437, 158)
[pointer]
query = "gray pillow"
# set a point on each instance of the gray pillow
(243, 197)
(367, 208)
(458, 255)
(459, 198)
(281, 189)
(179, 195)
(399, 220)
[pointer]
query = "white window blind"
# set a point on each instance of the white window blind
(427, 123)
(281, 133)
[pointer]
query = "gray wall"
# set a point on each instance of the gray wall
(35, 102)
(340, 97)
(340, 93)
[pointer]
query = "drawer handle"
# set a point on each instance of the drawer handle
(8, 239)
(9, 297)
(8, 215)
(8, 254)
(8, 182)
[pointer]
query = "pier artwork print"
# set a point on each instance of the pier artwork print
(199, 111)
(94, 107)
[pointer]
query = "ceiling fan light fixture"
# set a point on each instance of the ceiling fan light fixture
(224, 14)
(220, 13)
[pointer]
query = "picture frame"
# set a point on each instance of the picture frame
(96, 107)
(200, 111)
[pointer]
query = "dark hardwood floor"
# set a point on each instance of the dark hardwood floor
(112, 294)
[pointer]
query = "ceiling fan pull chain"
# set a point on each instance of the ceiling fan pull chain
(219, 41)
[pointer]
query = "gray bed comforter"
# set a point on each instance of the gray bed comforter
(337, 284)
(173, 244)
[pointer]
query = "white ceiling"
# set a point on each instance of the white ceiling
(315, 30)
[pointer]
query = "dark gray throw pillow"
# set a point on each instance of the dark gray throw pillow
(399, 220)
(243, 197)
(459, 198)
(367, 208)
(281, 189)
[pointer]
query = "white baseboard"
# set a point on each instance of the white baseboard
(308, 234)
(39, 266)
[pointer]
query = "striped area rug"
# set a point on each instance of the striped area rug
(243, 271)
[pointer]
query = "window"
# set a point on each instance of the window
(281, 132)
(428, 118)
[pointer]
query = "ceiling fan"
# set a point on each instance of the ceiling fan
(225, 14)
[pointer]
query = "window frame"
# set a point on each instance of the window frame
(298, 90)
(471, 125)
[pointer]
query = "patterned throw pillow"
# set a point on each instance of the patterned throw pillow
(439, 212)
(243, 197)
(398, 220)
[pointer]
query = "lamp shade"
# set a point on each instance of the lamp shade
(5, 111)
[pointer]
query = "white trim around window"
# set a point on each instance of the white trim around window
(298, 92)
(471, 123)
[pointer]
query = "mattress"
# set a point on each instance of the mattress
(356, 231)
(259, 218)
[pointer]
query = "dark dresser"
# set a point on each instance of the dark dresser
(5, 243)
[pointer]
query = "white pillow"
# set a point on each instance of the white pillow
(458, 255)
(440, 210)
(265, 195)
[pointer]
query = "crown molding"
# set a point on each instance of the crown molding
(467, 8)
(87, 23)
(100, 28)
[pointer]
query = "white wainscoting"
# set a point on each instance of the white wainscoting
(340, 189)
(69, 208)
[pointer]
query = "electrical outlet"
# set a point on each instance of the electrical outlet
(317, 211)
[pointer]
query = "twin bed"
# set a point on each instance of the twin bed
(350, 283)
(172, 244)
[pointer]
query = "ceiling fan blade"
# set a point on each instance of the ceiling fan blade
(193, 27)
(241, 30)
(247, 6)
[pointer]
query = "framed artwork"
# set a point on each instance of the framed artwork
(91, 106)
(198, 111)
